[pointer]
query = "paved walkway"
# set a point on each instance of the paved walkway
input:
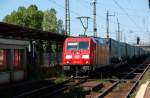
(147, 93)
(142, 90)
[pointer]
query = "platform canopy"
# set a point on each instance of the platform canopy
(11, 31)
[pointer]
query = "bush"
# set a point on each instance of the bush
(60, 79)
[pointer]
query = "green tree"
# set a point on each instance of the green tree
(7, 19)
(34, 17)
(14, 18)
(50, 20)
(30, 17)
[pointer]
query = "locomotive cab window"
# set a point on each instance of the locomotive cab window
(72, 46)
(77, 45)
(83, 45)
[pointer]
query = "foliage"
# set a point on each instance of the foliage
(29, 17)
(50, 20)
(34, 18)
(76, 92)
(60, 79)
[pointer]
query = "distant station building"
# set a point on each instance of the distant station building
(13, 60)
(18, 50)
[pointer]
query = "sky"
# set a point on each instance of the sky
(133, 16)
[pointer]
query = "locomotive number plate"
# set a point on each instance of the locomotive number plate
(66, 67)
(77, 56)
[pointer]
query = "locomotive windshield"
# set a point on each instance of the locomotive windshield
(83, 45)
(72, 46)
(77, 45)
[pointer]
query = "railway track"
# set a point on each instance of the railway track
(87, 87)
(125, 86)
(8, 91)
(50, 90)
(120, 90)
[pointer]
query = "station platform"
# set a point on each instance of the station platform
(147, 92)
(144, 91)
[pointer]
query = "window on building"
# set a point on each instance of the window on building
(17, 59)
(2, 59)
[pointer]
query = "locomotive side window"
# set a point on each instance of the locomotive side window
(72, 46)
(2, 59)
(83, 45)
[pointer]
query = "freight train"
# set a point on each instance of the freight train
(88, 53)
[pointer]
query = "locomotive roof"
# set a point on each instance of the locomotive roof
(106, 41)
(102, 41)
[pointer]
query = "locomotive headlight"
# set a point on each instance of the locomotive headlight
(87, 62)
(67, 62)
(68, 56)
(85, 56)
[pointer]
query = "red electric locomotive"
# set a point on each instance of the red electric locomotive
(78, 52)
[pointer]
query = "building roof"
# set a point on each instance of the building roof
(11, 31)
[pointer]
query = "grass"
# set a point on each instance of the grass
(114, 77)
(43, 72)
(60, 79)
(76, 92)
(119, 86)
(102, 81)
(52, 71)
